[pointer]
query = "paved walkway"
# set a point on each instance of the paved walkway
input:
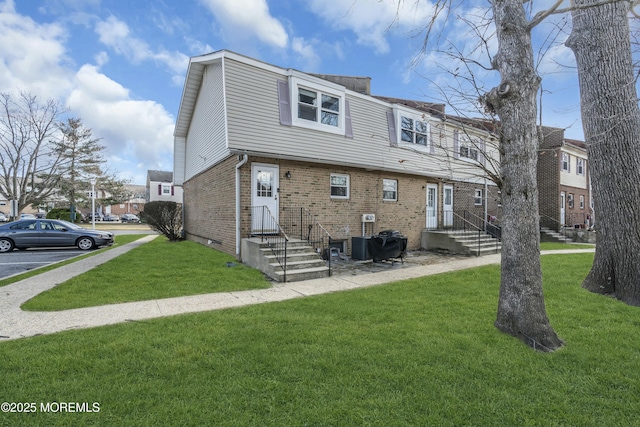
(15, 323)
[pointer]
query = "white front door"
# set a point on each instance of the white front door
(563, 202)
(432, 206)
(447, 205)
(264, 193)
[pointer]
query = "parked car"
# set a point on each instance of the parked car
(41, 215)
(3, 217)
(27, 216)
(32, 233)
(111, 217)
(129, 218)
(98, 216)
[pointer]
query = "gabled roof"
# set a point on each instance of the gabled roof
(160, 176)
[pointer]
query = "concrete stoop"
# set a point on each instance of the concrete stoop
(303, 263)
(548, 235)
(461, 242)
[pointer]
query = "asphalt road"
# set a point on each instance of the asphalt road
(15, 262)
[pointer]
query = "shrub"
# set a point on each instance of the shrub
(165, 218)
(64, 214)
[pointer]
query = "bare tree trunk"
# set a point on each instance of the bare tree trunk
(600, 40)
(521, 309)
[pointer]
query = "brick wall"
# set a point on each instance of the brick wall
(548, 177)
(574, 215)
(209, 207)
(210, 201)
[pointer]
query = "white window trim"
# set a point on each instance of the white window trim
(582, 201)
(395, 191)
(466, 142)
(400, 112)
(562, 162)
(477, 193)
(296, 83)
(578, 161)
(348, 186)
(166, 189)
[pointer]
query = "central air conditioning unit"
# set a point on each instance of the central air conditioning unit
(368, 218)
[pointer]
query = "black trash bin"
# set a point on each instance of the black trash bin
(388, 245)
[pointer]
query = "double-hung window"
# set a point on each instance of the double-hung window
(565, 163)
(477, 197)
(414, 131)
(317, 106)
(339, 186)
(580, 166)
(390, 190)
(410, 129)
(468, 150)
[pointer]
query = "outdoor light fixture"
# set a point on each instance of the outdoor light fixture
(287, 175)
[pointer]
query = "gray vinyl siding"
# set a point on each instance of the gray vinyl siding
(254, 126)
(206, 141)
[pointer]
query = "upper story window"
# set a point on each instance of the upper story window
(468, 150)
(409, 128)
(414, 131)
(315, 106)
(580, 166)
(166, 189)
(318, 107)
(339, 186)
(565, 164)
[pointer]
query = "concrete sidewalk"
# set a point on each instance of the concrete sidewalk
(15, 323)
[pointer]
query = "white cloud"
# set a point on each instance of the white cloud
(31, 55)
(373, 20)
(242, 19)
(306, 54)
(116, 35)
(129, 128)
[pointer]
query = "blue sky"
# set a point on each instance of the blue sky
(120, 65)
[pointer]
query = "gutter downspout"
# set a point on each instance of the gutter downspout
(238, 166)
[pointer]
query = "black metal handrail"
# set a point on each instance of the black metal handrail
(491, 228)
(467, 222)
(302, 224)
(264, 225)
(558, 226)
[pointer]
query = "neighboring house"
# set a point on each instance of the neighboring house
(134, 205)
(160, 187)
(564, 182)
(251, 134)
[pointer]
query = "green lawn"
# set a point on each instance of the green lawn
(119, 241)
(421, 352)
(556, 245)
(158, 269)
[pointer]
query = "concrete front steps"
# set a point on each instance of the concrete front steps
(548, 235)
(460, 242)
(303, 263)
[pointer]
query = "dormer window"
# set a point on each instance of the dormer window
(326, 112)
(410, 129)
(315, 106)
(414, 131)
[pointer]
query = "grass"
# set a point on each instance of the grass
(119, 241)
(544, 246)
(413, 353)
(158, 269)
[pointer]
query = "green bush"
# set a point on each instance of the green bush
(63, 214)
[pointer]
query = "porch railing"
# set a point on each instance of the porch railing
(468, 222)
(265, 226)
(300, 223)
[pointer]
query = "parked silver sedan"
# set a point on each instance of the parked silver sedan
(32, 233)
